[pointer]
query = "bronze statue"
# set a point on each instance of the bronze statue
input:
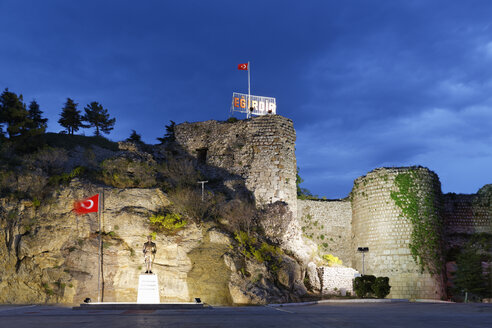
(149, 250)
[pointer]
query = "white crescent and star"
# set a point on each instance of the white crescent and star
(87, 207)
(243, 66)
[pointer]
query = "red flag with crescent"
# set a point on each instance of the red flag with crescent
(243, 67)
(88, 205)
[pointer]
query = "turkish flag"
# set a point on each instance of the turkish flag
(243, 67)
(88, 205)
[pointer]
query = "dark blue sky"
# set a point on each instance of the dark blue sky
(367, 83)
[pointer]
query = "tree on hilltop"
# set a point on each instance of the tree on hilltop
(34, 115)
(98, 117)
(70, 117)
(135, 138)
(169, 136)
(22, 125)
(13, 114)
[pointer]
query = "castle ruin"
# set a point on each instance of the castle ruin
(259, 154)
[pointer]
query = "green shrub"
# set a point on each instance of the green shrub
(170, 223)
(251, 249)
(36, 203)
(246, 243)
(363, 285)
(65, 178)
(332, 260)
(49, 291)
(381, 287)
(470, 276)
(126, 173)
(232, 120)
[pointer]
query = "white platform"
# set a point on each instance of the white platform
(148, 289)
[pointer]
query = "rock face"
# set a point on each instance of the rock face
(313, 277)
(48, 254)
(209, 276)
(255, 283)
(54, 254)
(282, 228)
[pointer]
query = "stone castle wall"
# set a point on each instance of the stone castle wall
(465, 215)
(337, 280)
(376, 223)
(329, 224)
(258, 152)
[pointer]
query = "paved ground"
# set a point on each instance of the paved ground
(320, 315)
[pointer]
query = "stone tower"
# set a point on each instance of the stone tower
(258, 153)
(377, 224)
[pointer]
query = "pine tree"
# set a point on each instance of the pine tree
(98, 117)
(70, 117)
(469, 275)
(13, 114)
(23, 126)
(34, 114)
(169, 136)
(135, 138)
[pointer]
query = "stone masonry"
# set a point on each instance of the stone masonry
(465, 215)
(329, 224)
(258, 154)
(377, 224)
(337, 280)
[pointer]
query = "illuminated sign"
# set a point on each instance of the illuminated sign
(257, 105)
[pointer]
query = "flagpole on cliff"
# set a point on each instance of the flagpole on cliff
(99, 267)
(88, 206)
(102, 248)
(248, 115)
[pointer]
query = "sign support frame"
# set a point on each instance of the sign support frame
(248, 114)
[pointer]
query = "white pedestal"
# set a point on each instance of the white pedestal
(148, 289)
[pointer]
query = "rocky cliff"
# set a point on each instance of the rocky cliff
(51, 255)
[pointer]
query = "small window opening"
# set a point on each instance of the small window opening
(202, 155)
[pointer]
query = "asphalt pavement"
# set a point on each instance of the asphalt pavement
(315, 315)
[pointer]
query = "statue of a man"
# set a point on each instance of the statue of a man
(149, 250)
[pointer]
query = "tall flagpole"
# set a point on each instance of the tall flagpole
(249, 91)
(100, 248)
(101, 224)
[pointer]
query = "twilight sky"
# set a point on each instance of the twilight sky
(367, 83)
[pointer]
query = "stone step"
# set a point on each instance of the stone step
(138, 306)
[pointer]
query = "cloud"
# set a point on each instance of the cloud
(398, 83)
(445, 140)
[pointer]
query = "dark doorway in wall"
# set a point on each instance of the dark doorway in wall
(202, 155)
